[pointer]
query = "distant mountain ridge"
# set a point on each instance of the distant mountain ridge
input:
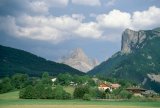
(18, 61)
(138, 59)
(79, 60)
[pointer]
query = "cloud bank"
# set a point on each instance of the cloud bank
(34, 21)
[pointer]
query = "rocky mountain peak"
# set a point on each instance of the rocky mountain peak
(130, 39)
(78, 54)
(79, 60)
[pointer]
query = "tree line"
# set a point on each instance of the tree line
(43, 88)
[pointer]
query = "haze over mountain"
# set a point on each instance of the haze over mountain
(79, 60)
(138, 60)
(18, 61)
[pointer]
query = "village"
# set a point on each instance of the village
(109, 88)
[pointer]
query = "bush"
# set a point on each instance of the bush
(125, 94)
(27, 93)
(5, 85)
(100, 94)
(59, 93)
(19, 80)
(46, 79)
(66, 95)
(87, 97)
(48, 93)
(39, 91)
(80, 91)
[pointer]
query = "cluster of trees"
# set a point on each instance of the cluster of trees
(88, 93)
(17, 81)
(66, 78)
(119, 93)
(41, 91)
(41, 88)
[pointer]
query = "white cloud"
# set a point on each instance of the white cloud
(39, 7)
(88, 30)
(42, 7)
(146, 19)
(87, 2)
(56, 29)
(114, 19)
(50, 28)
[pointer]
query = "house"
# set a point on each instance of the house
(136, 91)
(53, 81)
(149, 93)
(115, 86)
(104, 86)
(73, 83)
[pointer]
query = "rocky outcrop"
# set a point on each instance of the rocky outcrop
(154, 77)
(78, 60)
(131, 39)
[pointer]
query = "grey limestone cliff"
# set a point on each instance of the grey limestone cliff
(131, 39)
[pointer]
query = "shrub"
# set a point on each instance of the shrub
(27, 93)
(5, 85)
(100, 94)
(48, 93)
(59, 93)
(19, 80)
(39, 91)
(80, 91)
(66, 95)
(46, 79)
(87, 97)
(125, 94)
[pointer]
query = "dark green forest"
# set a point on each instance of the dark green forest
(18, 61)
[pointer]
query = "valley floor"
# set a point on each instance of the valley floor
(10, 100)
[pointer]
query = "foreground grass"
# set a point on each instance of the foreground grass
(10, 100)
(70, 106)
(75, 102)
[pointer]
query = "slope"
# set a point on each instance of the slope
(18, 61)
(143, 59)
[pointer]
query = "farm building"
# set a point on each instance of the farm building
(110, 87)
(136, 91)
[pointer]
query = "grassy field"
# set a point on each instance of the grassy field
(10, 95)
(10, 100)
(70, 106)
(69, 89)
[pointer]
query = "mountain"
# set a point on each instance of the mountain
(78, 60)
(18, 61)
(138, 60)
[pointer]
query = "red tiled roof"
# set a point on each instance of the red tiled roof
(104, 85)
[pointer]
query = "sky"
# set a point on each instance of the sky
(53, 28)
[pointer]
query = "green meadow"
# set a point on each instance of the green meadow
(11, 100)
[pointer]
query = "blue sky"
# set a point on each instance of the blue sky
(52, 28)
